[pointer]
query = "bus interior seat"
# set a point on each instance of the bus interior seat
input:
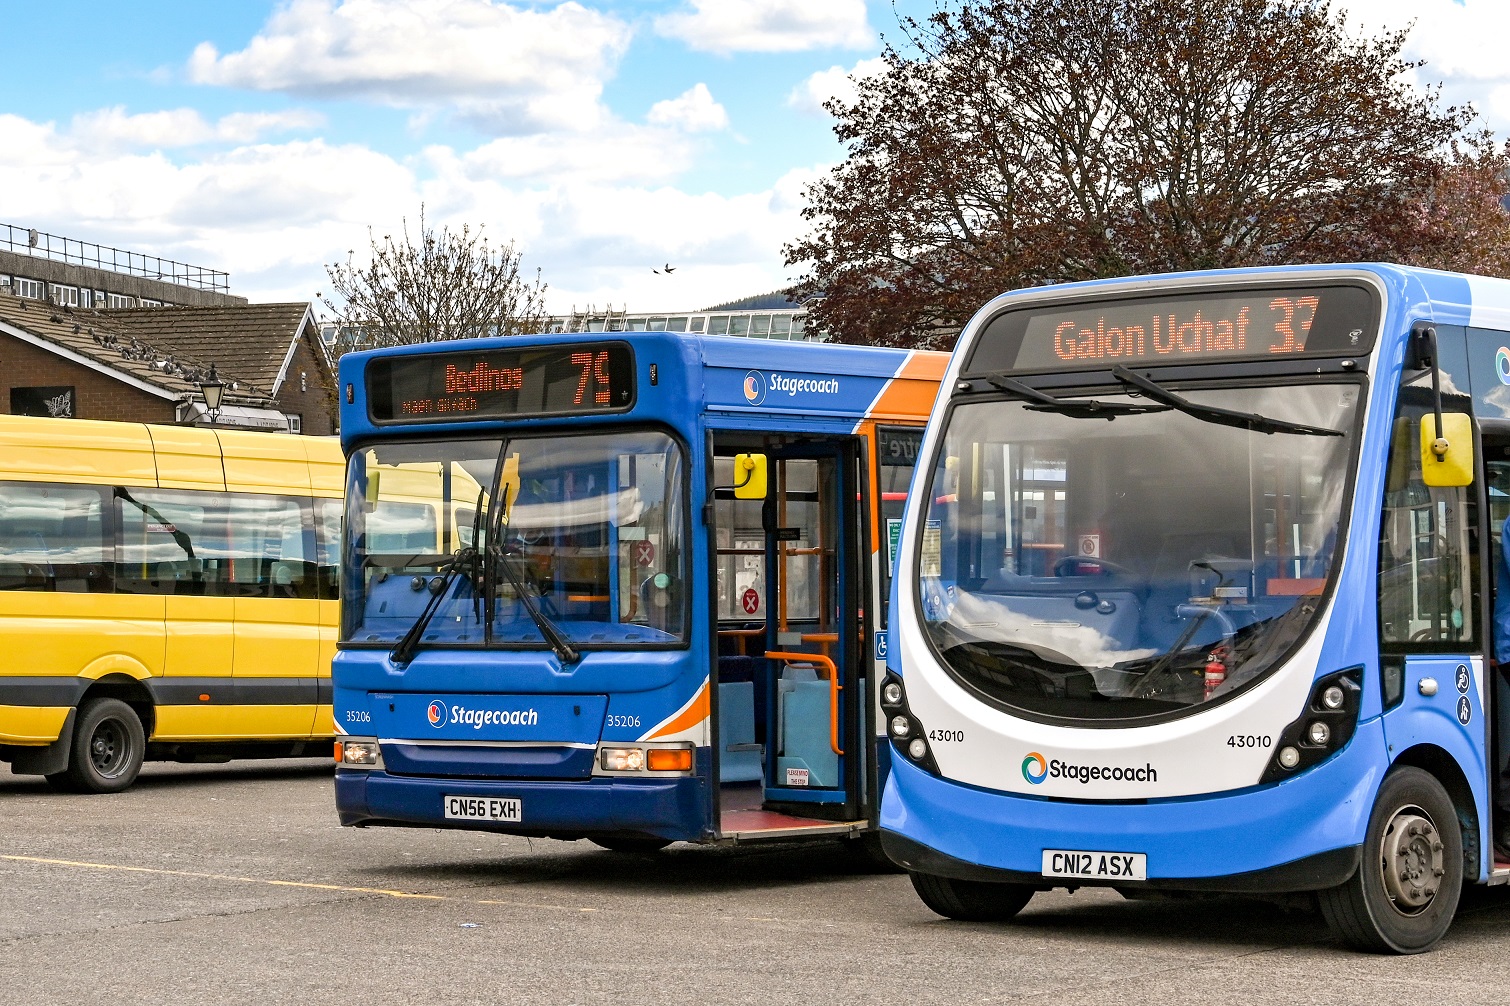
(741, 758)
(804, 704)
(735, 669)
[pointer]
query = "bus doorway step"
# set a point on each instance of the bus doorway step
(750, 825)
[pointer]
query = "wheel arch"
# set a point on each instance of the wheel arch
(1472, 819)
(129, 690)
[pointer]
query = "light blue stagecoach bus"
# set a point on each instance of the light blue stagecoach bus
(1196, 594)
(624, 587)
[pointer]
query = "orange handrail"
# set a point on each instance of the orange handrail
(824, 664)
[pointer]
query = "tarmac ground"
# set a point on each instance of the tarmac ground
(234, 884)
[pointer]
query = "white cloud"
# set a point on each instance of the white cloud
(726, 26)
(595, 213)
(514, 68)
(1462, 44)
(694, 111)
(835, 82)
(112, 128)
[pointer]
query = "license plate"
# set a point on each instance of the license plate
(484, 808)
(1095, 865)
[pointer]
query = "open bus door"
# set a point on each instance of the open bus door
(789, 738)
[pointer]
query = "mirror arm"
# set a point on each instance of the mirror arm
(1424, 354)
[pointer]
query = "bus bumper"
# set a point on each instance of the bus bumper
(674, 809)
(1302, 834)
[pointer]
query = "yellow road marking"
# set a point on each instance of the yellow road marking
(385, 892)
(224, 876)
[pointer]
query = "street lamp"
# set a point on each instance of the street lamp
(213, 391)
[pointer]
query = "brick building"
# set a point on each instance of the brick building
(147, 364)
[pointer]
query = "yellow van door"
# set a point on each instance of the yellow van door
(277, 647)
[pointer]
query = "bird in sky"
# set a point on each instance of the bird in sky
(667, 271)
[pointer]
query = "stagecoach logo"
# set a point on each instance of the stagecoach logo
(754, 387)
(1502, 365)
(756, 384)
(1035, 769)
(437, 713)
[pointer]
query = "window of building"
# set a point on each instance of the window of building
(56, 402)
(295, 423)
(65, 296)
(5, 284)
(27, 287)
(121, 300)
(146, 302)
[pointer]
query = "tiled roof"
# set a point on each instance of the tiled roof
(171, 348)
(247, 343)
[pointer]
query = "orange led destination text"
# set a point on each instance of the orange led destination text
(1169, 334)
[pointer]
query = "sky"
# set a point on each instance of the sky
(606, 138)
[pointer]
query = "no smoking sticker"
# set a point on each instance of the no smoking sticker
(644, 553)
(750, 600)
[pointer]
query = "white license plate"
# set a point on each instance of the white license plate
(485, 808)
(1095, 865)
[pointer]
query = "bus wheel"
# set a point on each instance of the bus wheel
(630, 843)
(1406, 890)
(108, 746)
(971, 900)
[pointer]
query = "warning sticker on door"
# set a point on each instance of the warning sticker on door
(796, 777)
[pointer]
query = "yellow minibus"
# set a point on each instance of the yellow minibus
(166, 592)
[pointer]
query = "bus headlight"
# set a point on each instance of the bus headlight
(907, 734)
(1323, 728)
(621, 759)
(665, 758)
(359, 752)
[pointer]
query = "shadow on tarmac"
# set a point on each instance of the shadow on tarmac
(167, 775)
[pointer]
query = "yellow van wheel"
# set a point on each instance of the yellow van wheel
(107, 749)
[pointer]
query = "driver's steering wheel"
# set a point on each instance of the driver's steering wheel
(1062, 567)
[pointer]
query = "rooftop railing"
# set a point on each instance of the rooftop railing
(40, 244)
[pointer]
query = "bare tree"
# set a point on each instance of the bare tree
(452, 284)
(1013, 143)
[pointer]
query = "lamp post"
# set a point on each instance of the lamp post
(213, 390)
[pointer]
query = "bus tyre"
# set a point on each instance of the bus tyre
(971, 900)
(1403, 897)
(631, 843)
(108, 746)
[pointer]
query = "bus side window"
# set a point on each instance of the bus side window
(1428, 587)
(897, 457)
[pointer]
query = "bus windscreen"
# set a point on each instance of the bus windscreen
(1205, 327)
(502, 383)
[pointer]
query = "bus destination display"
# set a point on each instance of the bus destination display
(558, 380)
(1265, 324)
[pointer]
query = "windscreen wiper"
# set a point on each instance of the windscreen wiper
(403, 650)
(465, 558)
(1214, 414)
(564, 651)
(499, 559)
(1078, 408)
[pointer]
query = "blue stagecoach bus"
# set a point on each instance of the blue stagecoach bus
(1196, 592)
(624, 587)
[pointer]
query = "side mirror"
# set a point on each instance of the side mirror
(1447, 459)
(750, 476)
(374, 489)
